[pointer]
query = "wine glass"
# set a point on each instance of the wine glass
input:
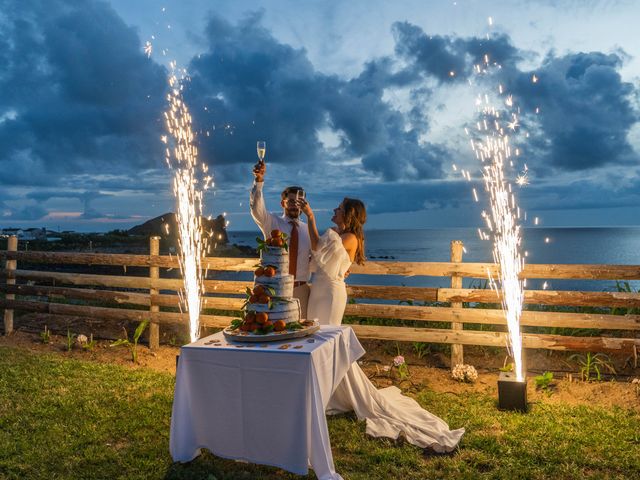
(262, 149)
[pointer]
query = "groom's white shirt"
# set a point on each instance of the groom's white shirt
(268, 221)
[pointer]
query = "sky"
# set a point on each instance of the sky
(360, 98)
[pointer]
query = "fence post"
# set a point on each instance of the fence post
(12, 246)
(457, 354)
(154, 273)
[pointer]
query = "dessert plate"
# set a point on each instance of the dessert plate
(237, 335)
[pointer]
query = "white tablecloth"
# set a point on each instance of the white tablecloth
(260, 403)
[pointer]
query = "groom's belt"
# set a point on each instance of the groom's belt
(297, 284)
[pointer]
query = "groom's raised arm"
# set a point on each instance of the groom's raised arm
(259, 211)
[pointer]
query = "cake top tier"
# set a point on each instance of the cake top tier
(277, 240)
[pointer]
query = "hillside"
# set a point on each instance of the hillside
(167, 223)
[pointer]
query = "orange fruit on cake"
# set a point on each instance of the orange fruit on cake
(279, 325)
(276, 233)
(262, 318)
(245, 327)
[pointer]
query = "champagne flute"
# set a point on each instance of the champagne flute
(262, 149)
(299, 196)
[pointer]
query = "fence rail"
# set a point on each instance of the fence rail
(432, 269)
(44, 291)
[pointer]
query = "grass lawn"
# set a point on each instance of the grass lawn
(62, 418)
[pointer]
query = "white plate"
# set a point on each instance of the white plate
(237, 335)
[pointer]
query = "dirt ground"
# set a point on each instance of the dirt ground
(431, 370)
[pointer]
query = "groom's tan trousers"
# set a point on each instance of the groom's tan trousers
(301, 292)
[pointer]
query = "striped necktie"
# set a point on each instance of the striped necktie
(293, 249)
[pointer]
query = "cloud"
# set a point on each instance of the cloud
(583, 194)
(249, 86)
(82, 95)
(447, 58)
(397, 197)
(586, 111)
(246, 87)
(80, 110)
(29, 212)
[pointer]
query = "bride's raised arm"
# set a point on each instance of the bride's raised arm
(314, 236)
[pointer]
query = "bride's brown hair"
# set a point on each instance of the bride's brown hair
(355, 216)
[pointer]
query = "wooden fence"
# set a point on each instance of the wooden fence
(37, 290)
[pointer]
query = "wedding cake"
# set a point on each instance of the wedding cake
(270, 304)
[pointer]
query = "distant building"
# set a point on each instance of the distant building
(27, 234)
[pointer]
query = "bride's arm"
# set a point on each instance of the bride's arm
(350, 243)
(314, 236)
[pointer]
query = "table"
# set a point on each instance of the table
(259, 402)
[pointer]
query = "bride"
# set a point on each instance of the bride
(387, 412)
(332, 255)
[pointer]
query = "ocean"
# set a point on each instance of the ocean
(617, 246)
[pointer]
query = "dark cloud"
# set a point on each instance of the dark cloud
(28, 212)
(81, 94)
(439, 56)
(396, 197)
(580, 195)
(86, 198)
(249, 86)
(586, 111)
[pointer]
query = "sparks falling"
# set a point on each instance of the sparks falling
(491, 144)
(182, 157)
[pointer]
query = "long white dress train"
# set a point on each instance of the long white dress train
(387, 412)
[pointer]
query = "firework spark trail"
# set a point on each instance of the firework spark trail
(182, 156)
(506, 245)
(492, 147)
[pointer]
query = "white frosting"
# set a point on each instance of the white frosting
(285, 307)
(281, 284)
(277, 257)
(287, 310)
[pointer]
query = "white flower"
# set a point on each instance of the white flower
(458, 372)
(386, 368)
(397, 361)
(464, 373)
(82, 339)
(471, 374)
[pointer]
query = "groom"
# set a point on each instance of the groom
(289, 223)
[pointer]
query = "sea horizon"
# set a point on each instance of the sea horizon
(541, 244)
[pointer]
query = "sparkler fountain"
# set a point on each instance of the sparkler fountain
(182, 157)
(491, 144)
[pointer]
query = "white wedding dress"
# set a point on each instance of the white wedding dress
(329, 263)
(387, 412)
